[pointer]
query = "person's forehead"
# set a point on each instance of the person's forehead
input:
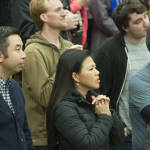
(15, 40)
(53, 4)
(135, 16)
(88, 61)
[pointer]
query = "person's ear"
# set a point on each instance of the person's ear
(43, 17)
(125, 29)
(75, 77)
(1, 57)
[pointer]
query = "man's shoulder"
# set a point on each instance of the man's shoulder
(36, 41)
(65, 42)
(38, 48)
(33, 47)
(141, 78)
(113, 46)
(15, 84)
(112, 43)
(16, 88)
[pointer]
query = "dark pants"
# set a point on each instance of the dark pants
(127, 145)
(45, 148)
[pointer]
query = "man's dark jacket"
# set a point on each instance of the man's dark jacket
(14, 131)
(147, 138)
(111, 60)
(79, 128)
(21, 19)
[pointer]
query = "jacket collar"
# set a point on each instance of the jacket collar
(120, 37)
(75, 95)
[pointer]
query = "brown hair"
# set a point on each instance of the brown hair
(123, 11)
(37, 7)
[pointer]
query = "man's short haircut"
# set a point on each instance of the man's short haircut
(37, 7)
(122, 13)
(5, 32)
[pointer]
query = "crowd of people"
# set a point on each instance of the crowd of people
(82, 86)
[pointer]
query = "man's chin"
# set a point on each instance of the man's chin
(18, 71)
(63, 27)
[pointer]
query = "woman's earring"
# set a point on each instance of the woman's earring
(77, 83)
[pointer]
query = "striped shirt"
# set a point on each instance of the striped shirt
(138, 56)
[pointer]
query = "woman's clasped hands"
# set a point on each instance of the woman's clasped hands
(101, 103)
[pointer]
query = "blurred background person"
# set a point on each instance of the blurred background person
(78, 35)
(103, 25)
(147, 5)
(5, 13)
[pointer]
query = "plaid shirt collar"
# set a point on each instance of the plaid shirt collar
(4, 90)
(4, 84)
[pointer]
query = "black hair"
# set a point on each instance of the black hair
(69, 62)
(121, 14)
(5, 32)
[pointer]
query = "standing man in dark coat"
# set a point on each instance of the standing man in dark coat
(14, 130)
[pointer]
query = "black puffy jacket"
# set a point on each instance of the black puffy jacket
(79, 128)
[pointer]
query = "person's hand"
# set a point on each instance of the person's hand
(77, 46)
(101, 103)
(126, 131)
(71, 20)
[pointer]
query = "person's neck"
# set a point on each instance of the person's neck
(4, 74)
(82, 91)
(51, 35)
(134, 40)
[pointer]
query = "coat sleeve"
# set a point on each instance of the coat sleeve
(36, 78)
(69, 124)
(102, 19)
(117, 131)
(28, 134)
